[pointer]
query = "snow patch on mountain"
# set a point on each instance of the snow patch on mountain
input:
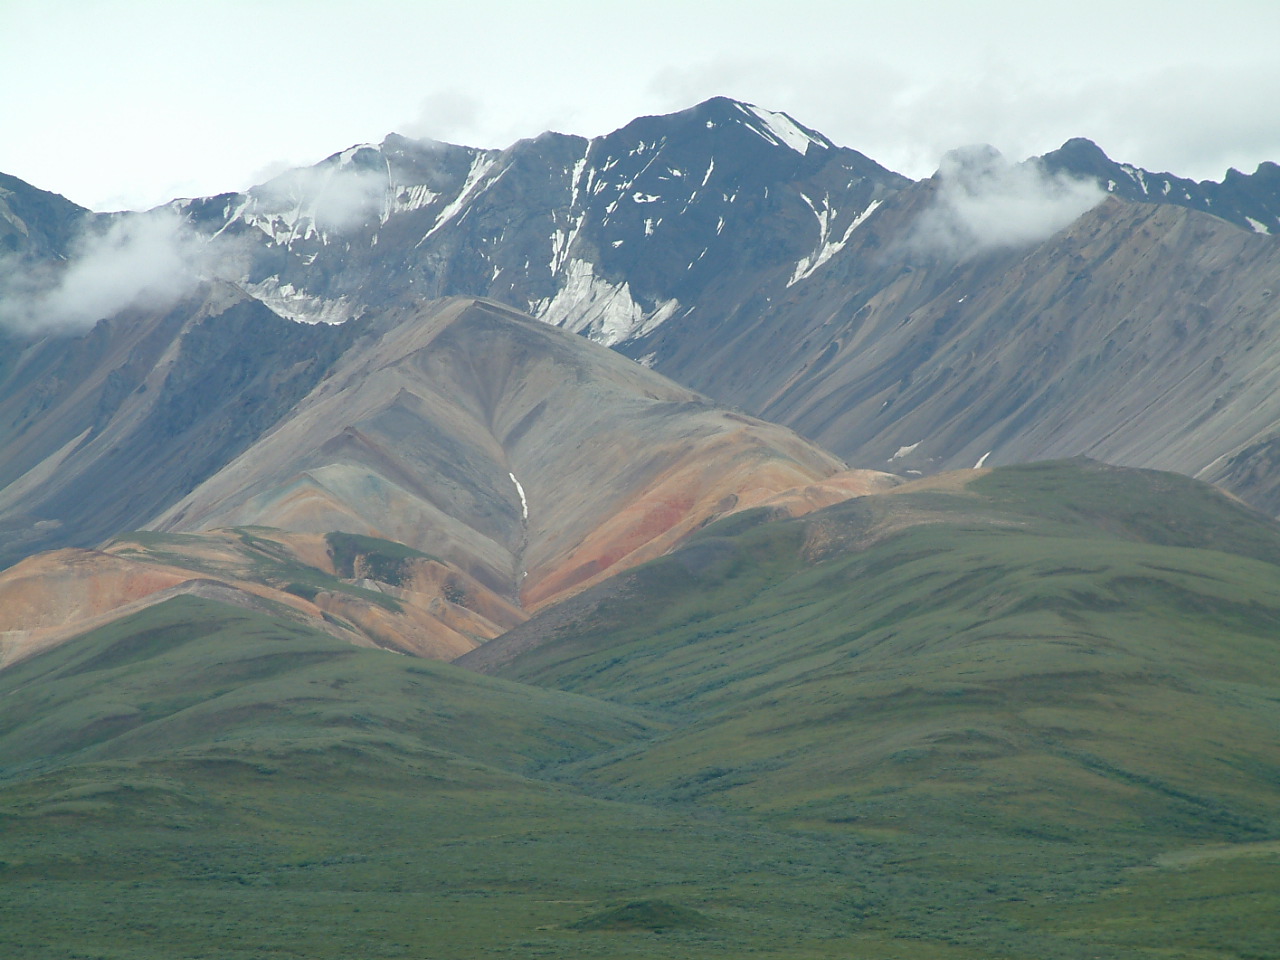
(480, 167)
(903, 451)
(782, 130)
(408, 198)
(605, 311)
(524, 503)
(297, 305)
(827, 248)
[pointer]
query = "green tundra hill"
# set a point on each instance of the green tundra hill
(1027, 713)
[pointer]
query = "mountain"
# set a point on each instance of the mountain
(1249, 201)
(414, 481)
(1137, 334)
(36, 224)
(467, 429)
(889, 308)
(994, 310)
(609, 237)
(102, 430)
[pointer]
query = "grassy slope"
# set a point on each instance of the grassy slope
(203, 781)
(1020, 729)
(1060, 665)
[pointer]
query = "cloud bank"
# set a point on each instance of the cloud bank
(336, 195)
(983, 203)
(143, 261)
(151, 260)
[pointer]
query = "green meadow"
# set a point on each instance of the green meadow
(1034, 717)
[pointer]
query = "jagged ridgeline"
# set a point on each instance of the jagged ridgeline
(1067, 305)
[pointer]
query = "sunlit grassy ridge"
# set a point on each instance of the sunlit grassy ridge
(1034, 716)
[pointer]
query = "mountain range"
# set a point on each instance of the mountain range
(803, 538)
(686, 241)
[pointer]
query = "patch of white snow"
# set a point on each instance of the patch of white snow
(298, 306)
(606, 312)
(827, 248)
(786, 131)
(707, 176)
(479, 167)
(524, 504)
(903, 451)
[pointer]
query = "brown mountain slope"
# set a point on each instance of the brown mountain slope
(531, 459)
(402, 601)
(460, 465)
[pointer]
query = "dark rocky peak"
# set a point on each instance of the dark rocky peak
(36, 223)
(740, 137)
(1249, 201)
(773, 127)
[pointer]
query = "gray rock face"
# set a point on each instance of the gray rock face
(1139, 335)
(1249, 201)
(609, 237)
(36, 224)
(101, 430)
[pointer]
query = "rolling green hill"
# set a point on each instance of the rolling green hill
(201, 780)
(1029, 713)
(1048, 661)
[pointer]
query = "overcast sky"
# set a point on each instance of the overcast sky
(128, 103)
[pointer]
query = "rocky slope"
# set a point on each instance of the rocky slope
(995, 310)
(921, 325)
(532, 459)
(455, 465)
(100, 431)
(1139, 334)
(36, 224)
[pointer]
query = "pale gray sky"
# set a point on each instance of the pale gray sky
(128, 103)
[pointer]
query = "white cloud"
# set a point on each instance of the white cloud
(145, 260)
(336, 196)
(450, 115)
(983, 202)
